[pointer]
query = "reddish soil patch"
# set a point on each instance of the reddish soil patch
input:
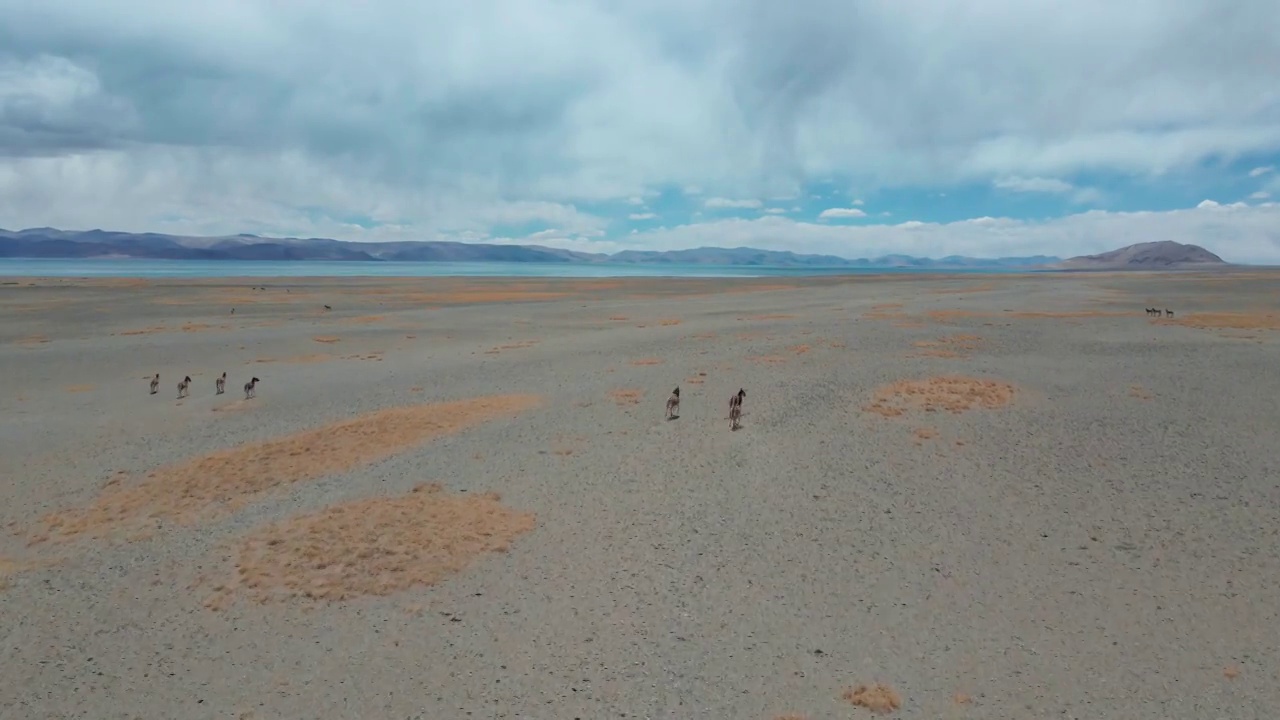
(799, 349)
(647, 361)
(925, 433)
(326, 339)
(513, 346)
(669, 321)
(878, 698)
(768, 359)
(950, 346)
(770, 316)
(145, 331)
(33, 341)
(619, 318)
(627, 396)
(952, 393)
(214, 484)
(1140, 392)
(372, 547)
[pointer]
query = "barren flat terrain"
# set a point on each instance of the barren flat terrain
(950, 497)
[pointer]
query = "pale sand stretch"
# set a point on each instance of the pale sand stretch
(987, 498)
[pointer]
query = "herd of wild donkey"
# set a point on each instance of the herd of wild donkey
(673, 402)
(220, 386)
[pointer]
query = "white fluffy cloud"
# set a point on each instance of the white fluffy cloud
(431, 119)
(841, 213)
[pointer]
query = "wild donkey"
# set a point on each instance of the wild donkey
(220, 384)
(735, 408)
(251, 389)
(673, 403)
(183, 386)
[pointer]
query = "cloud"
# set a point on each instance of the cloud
(1260, 195)
(456, 120)
(718, 202)
(641, 216)
(1034, 185)
(1054, 186)
(776, 211)
(1260, 171)
(832, 213)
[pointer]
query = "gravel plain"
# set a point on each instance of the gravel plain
(995, 496)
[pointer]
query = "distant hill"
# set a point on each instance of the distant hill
(55, 243)
(1164, 255)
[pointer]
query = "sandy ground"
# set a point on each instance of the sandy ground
(950, 497)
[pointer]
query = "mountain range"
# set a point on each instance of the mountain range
(54, 243)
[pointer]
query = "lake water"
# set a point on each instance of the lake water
(146, 268)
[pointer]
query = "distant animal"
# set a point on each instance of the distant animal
(735, 408)
(183, 386)
(251, 389)
(155, 384)
(326, 307)
(233, 311)
(1168, 312)
(1151, 311)
(220, 384)
(673, 403)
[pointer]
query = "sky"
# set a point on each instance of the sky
(987, 128)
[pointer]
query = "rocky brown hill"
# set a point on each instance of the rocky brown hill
(1164, 255)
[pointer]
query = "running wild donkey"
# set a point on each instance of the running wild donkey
(735, 408)
(155, 384)
(673, 403)
(251, 389)
(182, 386)
(220, 384)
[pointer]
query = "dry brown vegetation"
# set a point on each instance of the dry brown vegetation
(768, 359)
(669, 321)
(626, 396)
(949, 346)
(948, 393)
(647, 361)
(925, 433)
(770, 316)
(371, 547)
(511, 346)
(226, 480)
(32, 341)
(878, 698)
(326, 339)
(1140, 392)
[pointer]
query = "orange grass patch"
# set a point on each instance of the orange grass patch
(33, 341)
(1226, 321)
(144, 331)
(512, 346)
(950, 346)
(372, 547)
(799, 349)
(669, 321)
(326, 339)
(878, 698)
(951, 393)
(626, 396)
(226, 480)
(647, 361)
(1140, 392)
(925, 433)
